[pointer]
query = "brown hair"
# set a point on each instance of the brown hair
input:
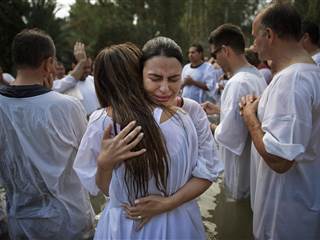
(119, 84)
(30, 47)
(283, 19)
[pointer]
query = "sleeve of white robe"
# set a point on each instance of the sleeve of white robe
(64, 84)
(288, 117)
(232, 131)
(85, 163)
(208, 166)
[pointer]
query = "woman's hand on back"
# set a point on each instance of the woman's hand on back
(117, 149)
(148, 207)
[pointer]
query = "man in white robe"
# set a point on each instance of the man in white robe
(227, 46)
(79, 83)
(40, 133)
(285, 129)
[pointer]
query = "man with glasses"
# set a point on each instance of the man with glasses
(284, 125)
(227, 45)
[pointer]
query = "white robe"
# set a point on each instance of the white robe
(287, 206)
(316, 58)
(206, 145)
(82, 90)
(39, 138)
(183, 222)
(232, 134)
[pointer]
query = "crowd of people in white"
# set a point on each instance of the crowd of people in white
(137, 130)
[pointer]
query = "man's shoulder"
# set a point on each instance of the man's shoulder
(63, 100)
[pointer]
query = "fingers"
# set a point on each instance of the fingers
(133, 154)
(135, 141)
(141, 200)
(79, 51)
(124, 132)
(107, 132)
(132, 135)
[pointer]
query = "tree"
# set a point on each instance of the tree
(16, 15)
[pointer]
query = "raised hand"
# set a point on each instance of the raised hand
(79, 51)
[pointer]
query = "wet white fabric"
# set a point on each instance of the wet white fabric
(204, 73)
(287, 206)
(39, 138)
(183, 222)
(210, 162)
(316, 58)
(232, 134)
(82, 90)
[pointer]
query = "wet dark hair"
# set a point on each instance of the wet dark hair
(283, 19)
(30, 47)
(252, 57)
(118, 82)
(160, 46)
(198, 47)
(312, 29)
(228, 35)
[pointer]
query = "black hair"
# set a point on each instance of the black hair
(198, 47)
(161, 46)
(30, 47)
(228, 35)
(312, 29)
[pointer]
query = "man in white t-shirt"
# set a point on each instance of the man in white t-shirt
(227, 47)
(310, 40)
(199, 77)
(285, 127)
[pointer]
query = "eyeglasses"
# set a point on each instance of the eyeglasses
(214, 53)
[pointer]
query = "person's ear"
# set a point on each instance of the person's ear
(49, 65)
(270, 35)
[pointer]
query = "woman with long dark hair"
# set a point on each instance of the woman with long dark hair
(161, 65)
(162, 165)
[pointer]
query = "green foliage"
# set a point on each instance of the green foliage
(104, 22)
(309, 9)
(16, 15)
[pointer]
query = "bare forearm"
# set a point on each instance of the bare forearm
(103, 179)
(191, 190)
(201, 85)
(278, 164)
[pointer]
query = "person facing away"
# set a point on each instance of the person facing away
(162, 166)
(199, 77)
(285, 127)
(40, 133)
(227, 46)
(310, 40)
